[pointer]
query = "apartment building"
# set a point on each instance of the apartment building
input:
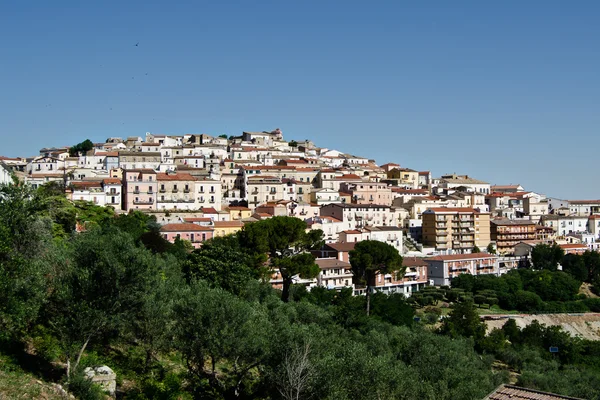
(208, 193)
(361, 215)
(565, 224)
(508, 233)
(454, 181)
(139, 189)
(456, 229)
(139, 160)
(414, 278)
(176, 191)
(194, 233)
(335, 274)
(368, 192)
(442, 269)
(261, 189)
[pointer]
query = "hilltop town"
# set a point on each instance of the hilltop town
(200, 186)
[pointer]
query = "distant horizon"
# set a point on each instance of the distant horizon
(507, 92)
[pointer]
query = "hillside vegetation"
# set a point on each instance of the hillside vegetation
(178, 323)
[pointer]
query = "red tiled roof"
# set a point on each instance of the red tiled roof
(343, 247)
(111, 181)
(209, 210)
(573, 246)
(228, 224)
(584, 201)
(238, 208)
(184, 227)
(86, 184)
(175, 177)
(197, 219)
(414, 262)
(510, 392)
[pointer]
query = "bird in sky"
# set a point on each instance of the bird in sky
(137, 44)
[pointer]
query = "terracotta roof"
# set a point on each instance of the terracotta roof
(86, 184)
(111, 181)
(352, 232)
(452, 257)
(238, 208)
(344, 247)
(209, 210)
(573, 246)
(198, 219)
(510, 392)
(175, 177)
(184, 227)
(584, 201)
(328, 263)
(414, 262)
(228, 224)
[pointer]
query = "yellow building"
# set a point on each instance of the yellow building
(224, 228)
(236, 212)
(458, 229)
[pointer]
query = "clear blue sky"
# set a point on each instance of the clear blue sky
(506, 91)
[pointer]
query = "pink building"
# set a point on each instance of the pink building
(194, 233)
(369, 192)
(139, 189)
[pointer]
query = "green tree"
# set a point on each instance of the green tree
(287, 244)
(293, 143)
(491, 249)
(222, 339)
(223, 263)
(574, 265)
(82, 147)
(546, 257)
(97, 290)
(476, 249)
(464, 321)
(26, 258)
(224, 136)
(371, 257)
(592, 263)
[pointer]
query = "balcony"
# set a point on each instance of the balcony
(150, 191)
(136, 191)
(255, 191)
(186, 190)
(163, 190)
(175, 190)
(143, 202)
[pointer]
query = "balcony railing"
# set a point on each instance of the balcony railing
(163, 190)
(175, 190)
(136, 191)
(143, 202)
(186, 190)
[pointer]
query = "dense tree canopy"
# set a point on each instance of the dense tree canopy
(371, 257)
(547, 257)
(287, 244)
(177, 323)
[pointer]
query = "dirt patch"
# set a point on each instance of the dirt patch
(586, 290)
(586, 326)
